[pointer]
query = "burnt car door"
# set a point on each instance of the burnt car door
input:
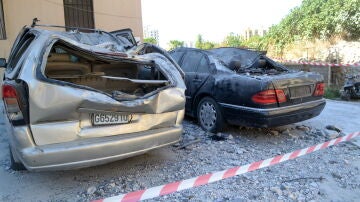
(202, 73)
(195, 65)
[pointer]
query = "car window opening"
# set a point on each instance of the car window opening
(122, 79)
(248, 61)
(261, 66)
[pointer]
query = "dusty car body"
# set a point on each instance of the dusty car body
(351, 88)
(77, 99)
(244, 87)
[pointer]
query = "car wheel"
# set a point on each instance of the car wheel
(209, 115)
(14, 163)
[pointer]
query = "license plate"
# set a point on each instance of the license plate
(110, 119)
(300, 91)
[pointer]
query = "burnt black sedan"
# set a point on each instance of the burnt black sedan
(245, 87)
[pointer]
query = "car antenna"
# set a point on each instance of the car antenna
(35, 20)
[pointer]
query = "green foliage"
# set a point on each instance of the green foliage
(151, 40)
(201, 44)
(199, 41)
(320, 19)
(256, 42)
(232, 40)
(208, 45)
(175, 44)
(331, 93)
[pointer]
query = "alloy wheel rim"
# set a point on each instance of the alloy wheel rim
(208, 115)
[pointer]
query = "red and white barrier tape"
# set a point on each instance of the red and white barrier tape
(320, 63)
(220, 175)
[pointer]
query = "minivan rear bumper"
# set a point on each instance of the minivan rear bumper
(255, 117)
(94, 151)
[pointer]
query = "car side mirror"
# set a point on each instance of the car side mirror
(2, 62)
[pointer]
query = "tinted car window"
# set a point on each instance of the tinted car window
(20, 49)
(203, 65)
(190, 61)
(177, 56)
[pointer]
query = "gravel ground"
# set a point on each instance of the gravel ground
(328, 175)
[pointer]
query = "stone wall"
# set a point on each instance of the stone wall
(337, 74)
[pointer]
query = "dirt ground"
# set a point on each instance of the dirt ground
(327, 175)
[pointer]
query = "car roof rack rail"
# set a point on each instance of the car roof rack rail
(77, 29)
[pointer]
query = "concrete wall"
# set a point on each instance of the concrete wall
(113, 15)
(337, 75)
(307, 68)
(18, 13)
(108, 15)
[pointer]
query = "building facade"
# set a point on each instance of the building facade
(250, 32)
(149, 32)
(107, 15)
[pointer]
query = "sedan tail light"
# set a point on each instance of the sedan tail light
(319, 89)
(269, 97)
(11, 102)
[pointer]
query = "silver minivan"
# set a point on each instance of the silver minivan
(76, 99)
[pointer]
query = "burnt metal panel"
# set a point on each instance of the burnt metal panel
(79, 13)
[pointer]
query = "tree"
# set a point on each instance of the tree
(317, 19)
(199, 42)
(208, 45)
(175, 44)
(255, 42)
(151, 40)
(232, 40)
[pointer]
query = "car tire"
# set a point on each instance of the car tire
(14, 164)
(209, 115)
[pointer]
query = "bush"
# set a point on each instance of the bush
(151, 40)
(332, 93)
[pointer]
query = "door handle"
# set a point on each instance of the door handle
(197, 80)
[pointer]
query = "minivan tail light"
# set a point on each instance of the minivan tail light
(11, 103)
(269, 97)
(319, 89)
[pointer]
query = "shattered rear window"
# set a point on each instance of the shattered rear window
(119, 77)
(245, 57)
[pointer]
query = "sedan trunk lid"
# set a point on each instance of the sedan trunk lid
(298, 87)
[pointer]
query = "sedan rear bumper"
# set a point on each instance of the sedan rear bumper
(96, 151)
(255, 117)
